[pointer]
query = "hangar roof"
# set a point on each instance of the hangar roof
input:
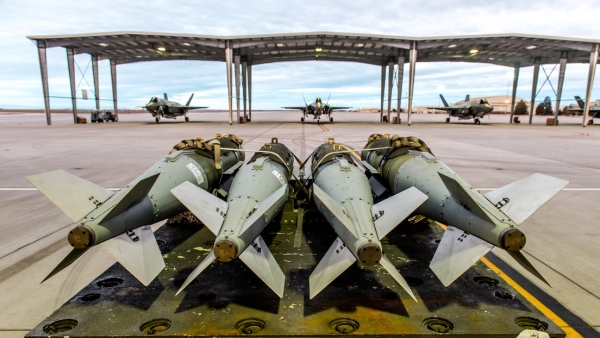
(499, 49)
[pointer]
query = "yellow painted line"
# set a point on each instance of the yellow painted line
(322, 127)
(571, 333)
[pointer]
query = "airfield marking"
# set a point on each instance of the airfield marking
(571, 333)
(323, 127)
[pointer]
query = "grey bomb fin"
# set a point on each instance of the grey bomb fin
(385, 262)
(198, 270)
(337, 259)
(393, 210)
(131, 197)
(467, 198)
(141, 258)
(260, 260)
(71, 257)
(336, 209)
(522, 198)
(73, 195)
(456, 253)
(263, 207)
(524, 262)
(209, 209)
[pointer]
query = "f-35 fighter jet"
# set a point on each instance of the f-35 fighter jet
(169, 109)
(316, 109)
(475, 109)
(594, 110)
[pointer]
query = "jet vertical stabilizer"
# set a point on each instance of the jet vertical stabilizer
(468, 98)
(190, 100)
(444, 101)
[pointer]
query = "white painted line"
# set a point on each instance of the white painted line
(34, 189)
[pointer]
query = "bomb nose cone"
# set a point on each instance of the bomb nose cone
(225, 250)
(369, 254)
(81, 238)
(513, 240)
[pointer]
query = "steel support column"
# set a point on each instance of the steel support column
(44, 72)
(514, 90)
(399, 85)
(411, 79)
(228, 57)
(96, 80)
(390, 87)
(590, 84)
(71, 65)
(113, 79)
(382, 93)
(561, 80)
(236, 61)
(244, 79)
(250, 92)
(536, 73)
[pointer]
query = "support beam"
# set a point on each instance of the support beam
(382, 93)
(250, 92)
(590, 84)
(399, 85)
(561, 80)
(113, 79)
(228, 57)
(44, 72)
(71, 65)
(244, 83)
(96, 80)
(236, 61)
(390, 87)
(514, 90)
(536, 74)
(411, 79)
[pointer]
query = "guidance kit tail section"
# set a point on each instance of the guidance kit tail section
(121, 222)
(257, 194)
(476, 223)
(343, 195)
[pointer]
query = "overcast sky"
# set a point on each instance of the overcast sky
(280, 84)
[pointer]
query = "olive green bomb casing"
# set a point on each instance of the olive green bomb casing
(476, 222)
(120, 222)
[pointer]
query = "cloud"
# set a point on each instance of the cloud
(276, 85)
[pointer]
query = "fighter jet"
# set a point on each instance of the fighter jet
(169, 109)
(466, 110)
(316, 109)
(594, 110)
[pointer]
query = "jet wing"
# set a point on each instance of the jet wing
(445, 108)
(192, 107)
(301, 108)
(339, 108)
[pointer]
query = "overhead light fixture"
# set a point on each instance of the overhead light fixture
(318, 49)
(531, 47)
(138, 56)
(360, 45)
(474, 51)
(186, 44)
(103, 44)
(491, 58)
(451, 46)
(280, 45)
(161, 49)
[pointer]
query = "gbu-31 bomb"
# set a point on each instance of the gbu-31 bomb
(258, 193)
(120, 222)
(476, 222)
(343, 195)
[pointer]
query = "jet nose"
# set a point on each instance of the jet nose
(225, 250)
(369, 254)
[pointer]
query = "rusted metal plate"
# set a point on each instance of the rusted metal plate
(229, 300)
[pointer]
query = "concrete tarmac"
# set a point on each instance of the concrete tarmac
(563, 239)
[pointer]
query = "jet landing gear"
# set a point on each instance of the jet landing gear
(187, 119)
(302, 120)
(477, 121)
(447, 120)
(331, 119)
(591, 121)
(157, 119)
